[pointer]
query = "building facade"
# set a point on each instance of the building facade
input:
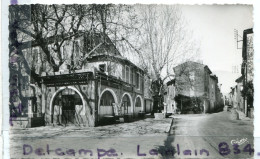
(90, 88)
(242, 94)
(195, 80)
(247, 71)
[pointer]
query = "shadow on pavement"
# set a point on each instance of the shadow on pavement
(168, 151)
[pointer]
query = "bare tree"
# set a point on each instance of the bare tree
(47, 28)
(162, 42)
(54, 30)
(166, 39)
(52, 27)
(156, 33)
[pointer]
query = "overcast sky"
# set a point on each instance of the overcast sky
(213, 26)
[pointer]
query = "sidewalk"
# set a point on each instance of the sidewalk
(147, 127)
(242, 116)
(238, 115)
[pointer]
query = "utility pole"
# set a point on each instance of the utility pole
(238, 38)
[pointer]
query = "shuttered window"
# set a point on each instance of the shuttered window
(131, 77)
(137, 80)
(127, 74)
(123, 73)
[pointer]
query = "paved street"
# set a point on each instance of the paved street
(193, 132)
(196, 132)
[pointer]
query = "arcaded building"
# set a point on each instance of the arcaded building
(94, 84)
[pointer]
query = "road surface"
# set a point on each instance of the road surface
(208, 131)
(190, 136)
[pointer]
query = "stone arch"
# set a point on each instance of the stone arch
(142, 102)
(111, 91)
(131, 101)
(102, 110)
(61, 89)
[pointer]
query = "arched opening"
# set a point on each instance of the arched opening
(126, 104)
(138, 104)
(67, 106)
(107, 99)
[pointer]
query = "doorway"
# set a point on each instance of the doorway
(64, 108)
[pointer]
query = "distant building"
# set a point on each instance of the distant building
(245, 81)
(195, 80)
(220, 98)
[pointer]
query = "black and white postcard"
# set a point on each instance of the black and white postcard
(130, 81)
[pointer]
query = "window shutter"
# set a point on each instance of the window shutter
(127, 74)
(123, 72)
(141, 78)
(131, 76)
(134, 76)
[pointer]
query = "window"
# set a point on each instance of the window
(77, 49)
(102, 67)
(127, 74)
(107, 99)
(138, 80)
(77, 56)
(123, 73)
(138, 102)
(126, 101)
